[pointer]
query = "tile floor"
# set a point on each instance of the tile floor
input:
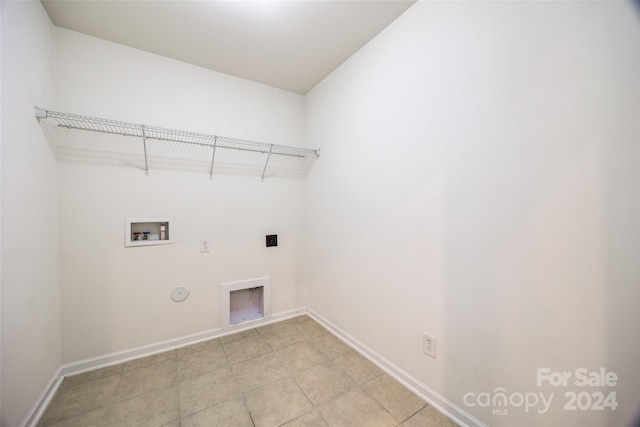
(292, 373)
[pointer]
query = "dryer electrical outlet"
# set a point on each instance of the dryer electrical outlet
(272, 240)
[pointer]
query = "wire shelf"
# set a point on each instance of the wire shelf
(146, 133)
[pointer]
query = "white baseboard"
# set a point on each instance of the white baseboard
(432, 397)
(38, 408)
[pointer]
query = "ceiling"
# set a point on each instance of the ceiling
(288, 44)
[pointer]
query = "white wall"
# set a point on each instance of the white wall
(479, 181)
(1, 118)
(116, 298)
(30, 289)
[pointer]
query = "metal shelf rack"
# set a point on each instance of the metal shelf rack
(146, 133)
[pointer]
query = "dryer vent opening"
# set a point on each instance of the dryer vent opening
(245, 302)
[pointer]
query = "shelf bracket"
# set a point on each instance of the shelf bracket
(144, 145)
(40, 113)
(266, 163)
(213, 156)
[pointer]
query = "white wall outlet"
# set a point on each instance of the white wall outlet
(429, 344)
(204, 245)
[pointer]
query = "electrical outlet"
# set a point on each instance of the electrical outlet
(429, 344)
(272, 240)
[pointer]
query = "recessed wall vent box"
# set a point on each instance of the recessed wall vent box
(148, 231)
(246, 304)
(245, 301)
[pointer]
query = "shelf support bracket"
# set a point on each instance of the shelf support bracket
(40, 113)
(144, 145)
(213, 156)
(266, 163)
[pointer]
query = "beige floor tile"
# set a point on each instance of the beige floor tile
(204, 345)
(357, 367)
(429, 416)
(355, 408)
(396, 399)
(277, 403)
(293, 321)
(330, 345)
(277, 342)
(287, 326)
(149, 360)
(249, 333)
(279, 335)
(231, 413)
(148, 378)
(258, 372)
(300, 356)
(311, 329)
(96, 418)
(91, 376)
(323, 383)
(245, 349)
(207, 390)
(310, 419)
(82, 398)
(158, 408)
(200, 362)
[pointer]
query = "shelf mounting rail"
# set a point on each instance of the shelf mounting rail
(146, 133)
